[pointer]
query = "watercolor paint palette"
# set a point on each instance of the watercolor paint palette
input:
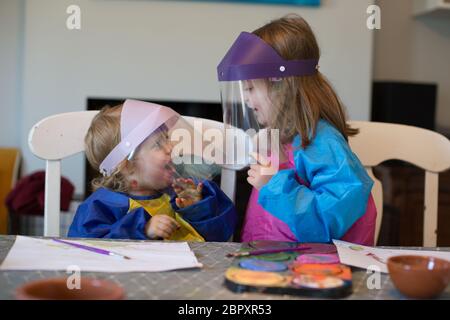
(313, 272)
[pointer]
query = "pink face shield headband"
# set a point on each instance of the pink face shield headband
(138, 121)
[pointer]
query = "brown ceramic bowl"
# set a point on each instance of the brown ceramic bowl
(419, 277)
(56, 289)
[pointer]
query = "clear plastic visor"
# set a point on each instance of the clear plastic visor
(177, 148)
(246, 111)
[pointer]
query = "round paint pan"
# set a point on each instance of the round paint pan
(261, 265)
(320, 258)
(317, 269)
(254, 278)
(269, 244)
(280, 256)
(319, 248)
(317, 282)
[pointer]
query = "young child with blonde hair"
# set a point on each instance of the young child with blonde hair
(138, 196)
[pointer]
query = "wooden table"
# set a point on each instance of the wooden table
(205, 283)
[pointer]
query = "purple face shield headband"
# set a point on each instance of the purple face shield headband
(251, 58)
(138, 121)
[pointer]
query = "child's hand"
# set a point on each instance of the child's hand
(161, 226)
(188, 193)
(257, 176)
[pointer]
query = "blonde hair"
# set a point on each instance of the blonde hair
(103, 135)
(300, 102)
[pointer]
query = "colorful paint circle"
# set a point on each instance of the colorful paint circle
(356, 248)
(317, 269)
(281, 256)
(269, 244)
(322, 248)
(261, 265)
(320, 258)
(317, 282)
(254, 278)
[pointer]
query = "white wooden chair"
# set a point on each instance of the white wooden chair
(60, 136)
(378, 142)
(9, 172)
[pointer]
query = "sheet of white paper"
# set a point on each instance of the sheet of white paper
(372, 258)
(45, 254)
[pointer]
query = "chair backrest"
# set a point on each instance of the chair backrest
(9, 171)
(378, 142)
(60, 136)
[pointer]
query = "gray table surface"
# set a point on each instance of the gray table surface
(205, 283)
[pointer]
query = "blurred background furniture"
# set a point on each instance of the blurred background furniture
(410, 103)
(26, 204)
(403, 198)
(378, 142)
(33, 224)
(9, 172)
(407, 103)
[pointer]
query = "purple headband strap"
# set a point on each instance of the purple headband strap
(251, 58)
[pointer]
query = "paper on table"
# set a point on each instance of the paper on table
(45, 254)
(370, 257)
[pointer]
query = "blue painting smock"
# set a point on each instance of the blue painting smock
(325, 195)
(116, 215)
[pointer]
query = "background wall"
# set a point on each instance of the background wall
(160, 50)
(416, 49)
(11, 41)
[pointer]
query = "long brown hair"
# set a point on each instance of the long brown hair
(300, 102)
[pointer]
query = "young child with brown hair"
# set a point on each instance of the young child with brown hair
(321, 191)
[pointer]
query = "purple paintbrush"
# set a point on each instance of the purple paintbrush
(265, 251)
(96, 250)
